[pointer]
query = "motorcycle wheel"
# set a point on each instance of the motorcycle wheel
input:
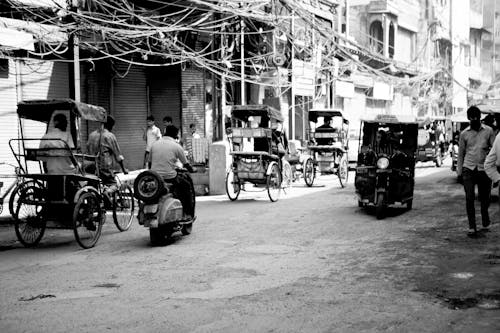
(187, 229)
(380, 206)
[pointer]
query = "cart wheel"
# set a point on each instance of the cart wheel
(274, 183)
(123, 207)
(409, 204)
(29, 222)
(88, 219)
(233, 187)
(380, 207)
(343, 172)
(438, 161)
(187, 228)
(16, 192)
(309, 172)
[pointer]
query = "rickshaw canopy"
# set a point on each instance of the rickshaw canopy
(41, 110)
(245, 111)
(314, 114)
(390, 119)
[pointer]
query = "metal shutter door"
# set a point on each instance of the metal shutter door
(165, 95)
(8, 115)
(130, 112)
(193, 100)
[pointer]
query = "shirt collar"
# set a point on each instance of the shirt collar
(480, 128)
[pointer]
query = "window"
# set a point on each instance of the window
(377, 37)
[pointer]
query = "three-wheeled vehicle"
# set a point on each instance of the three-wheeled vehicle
(300, 162)
(385, 169)
(430, 146)
(257, 144)
(459, 122)
(329, 144)
(70, 199)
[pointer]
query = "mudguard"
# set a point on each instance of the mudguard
(270, 167)
(170, 210)
(84, 190)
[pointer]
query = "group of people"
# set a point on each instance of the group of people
(163, 154)
(477, 164)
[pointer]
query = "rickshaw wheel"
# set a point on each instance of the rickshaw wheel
(87, 219)
(16, 192)
(380, 206)
(123, 207)
(232, 189)
(309, 172)
(29, 222)
(274, 183)
(343, 172)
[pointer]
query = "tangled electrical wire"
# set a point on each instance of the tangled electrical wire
(208, 34)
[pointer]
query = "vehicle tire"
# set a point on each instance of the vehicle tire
(123, 207)
(233, 189)
(360, 204)
(309, 172)
(159, 236)
(149, 186)
(274, 183)
(343, 171)
(187, 228)
(29, 222)
(438, 161)
(409, 204)
(16, 192)
(380, 207)
(88, 218)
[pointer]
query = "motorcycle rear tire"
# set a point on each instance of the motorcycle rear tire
(151, 197)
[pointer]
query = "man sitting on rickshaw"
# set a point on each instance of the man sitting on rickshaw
(55, 139)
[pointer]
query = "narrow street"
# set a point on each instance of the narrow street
(312, 262)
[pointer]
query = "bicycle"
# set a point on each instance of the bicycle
(119, 199)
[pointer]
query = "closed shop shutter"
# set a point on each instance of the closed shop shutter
(165, 95)
(43, 80)
(193, 100)
(130, 112)
(8, 115)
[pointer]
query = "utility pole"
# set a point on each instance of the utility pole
(494, 60)
(242, 61)
(76, 56)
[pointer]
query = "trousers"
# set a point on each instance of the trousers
(470, 179)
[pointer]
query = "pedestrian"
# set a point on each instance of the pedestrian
(167, 121)
(192, 129)
(151, 135)
(474, 144)
(492, 164)
(57, 138)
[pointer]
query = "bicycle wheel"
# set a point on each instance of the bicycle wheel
(29, 222)
(87, 219)
(233, 186)
(309, 172)
(274, 183)
(343, 172)
(123, 207)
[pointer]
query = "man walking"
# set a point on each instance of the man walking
(474, 144)
(151, 135)
(492, 164)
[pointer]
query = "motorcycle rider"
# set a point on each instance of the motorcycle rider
(165, 155)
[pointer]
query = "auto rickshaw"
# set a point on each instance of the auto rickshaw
(329, 144)
(385, 169)
(67, 200)
(258, 146)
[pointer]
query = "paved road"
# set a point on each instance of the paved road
(312, 262)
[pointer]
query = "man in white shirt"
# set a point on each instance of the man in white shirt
(165, 154)
(54, 142)
(151, 135)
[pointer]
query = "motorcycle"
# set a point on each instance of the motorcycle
(160, 208)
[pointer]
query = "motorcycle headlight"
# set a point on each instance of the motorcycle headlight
(383, 163)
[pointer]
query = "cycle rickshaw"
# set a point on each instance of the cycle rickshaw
(257, 147)
(329, 145)
(70, 200)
